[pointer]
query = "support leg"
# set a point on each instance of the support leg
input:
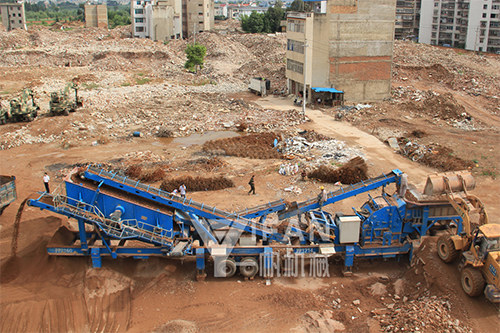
(95, 254)
(200, 264)
(83, 235)
(349, 261)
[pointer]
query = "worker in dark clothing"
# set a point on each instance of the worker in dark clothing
(252, 185)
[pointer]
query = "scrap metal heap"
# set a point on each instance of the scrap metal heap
(119, 210)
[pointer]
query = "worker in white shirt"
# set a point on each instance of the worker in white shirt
(46, 180)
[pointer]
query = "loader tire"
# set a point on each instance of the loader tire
(446, 249)
(225, 268)
(249, 267)
(472, 281)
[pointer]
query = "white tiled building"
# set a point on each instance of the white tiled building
(472, 24)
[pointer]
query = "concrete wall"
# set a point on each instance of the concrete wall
(96, 16)
(361, 42)
(319, 46)
(425, 28)
(166, 20)
(12, 15)
(197, 15)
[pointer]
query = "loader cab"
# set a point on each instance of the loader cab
(486, 240)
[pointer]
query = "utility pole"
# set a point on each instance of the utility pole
(305, 85)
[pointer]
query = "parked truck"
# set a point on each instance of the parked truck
(259, 85)
(7, 191)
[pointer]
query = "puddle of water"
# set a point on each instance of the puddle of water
(197, 139)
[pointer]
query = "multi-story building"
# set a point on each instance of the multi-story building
(96, 15)
(237, 11)
(471, 24)
(12, 15)
(407, 19)
(342, 44)
(156, 19)
(141, 14)
(220, 9)
(197, 16)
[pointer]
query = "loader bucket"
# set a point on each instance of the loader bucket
(437, 183)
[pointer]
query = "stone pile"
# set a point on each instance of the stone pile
(425, 314)
(319, 152)
(459, 69)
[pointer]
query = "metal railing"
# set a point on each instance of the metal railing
(184, 201)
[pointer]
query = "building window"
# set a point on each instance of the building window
(485, 6)
(296, 25)
(20, 21)
(138, 3)
(139, 20)
(484, 15)
(139, 29)
(139, 11)
(294, 66)
(295, 46)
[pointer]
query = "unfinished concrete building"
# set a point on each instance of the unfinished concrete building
(197, 16)
(96, 16)
(341, 45)
(167, 20)
(157, 19)
(12, 15)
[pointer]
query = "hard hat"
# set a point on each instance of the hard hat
(321, 188)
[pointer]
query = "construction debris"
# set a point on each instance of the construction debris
(259, 146)
(318, 152)
(352, 172)
(197, 183)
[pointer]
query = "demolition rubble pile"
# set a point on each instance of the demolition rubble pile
(230, 58)
(257, 146)
(157, 108)
(317, 153)
(352, 172)
(425, 314)
(475, 74)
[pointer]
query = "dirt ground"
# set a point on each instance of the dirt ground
(61, 294)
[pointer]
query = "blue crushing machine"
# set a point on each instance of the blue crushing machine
(121, 217)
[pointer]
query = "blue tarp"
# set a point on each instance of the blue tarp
(331, 90)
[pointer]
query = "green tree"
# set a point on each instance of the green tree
(195, 54)
(297, 6)
(253, 23)
(274, 17)
(267, 22)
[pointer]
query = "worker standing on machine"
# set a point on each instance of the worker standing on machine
(252, 185)
(322, 197)
(182, 190)
(46, 180)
